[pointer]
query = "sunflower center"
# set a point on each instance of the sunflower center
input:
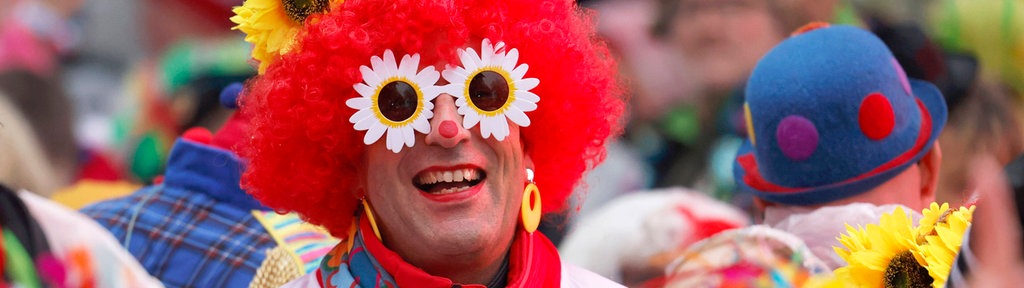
(904, 271)
(298, 10)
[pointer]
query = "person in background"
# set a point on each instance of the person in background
(199, 214)
(754, 256)
(48, 112)
(44, 244)
(838, 134)
(722, 40)
(23, 164)
(34, 36)
(634, 238)
(992, 252)
(989, 117)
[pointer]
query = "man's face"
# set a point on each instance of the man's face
(724, 39)
(450, 198)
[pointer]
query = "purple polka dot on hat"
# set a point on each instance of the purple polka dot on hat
(797, 137)
(903, 77)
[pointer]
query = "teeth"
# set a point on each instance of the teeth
(457, 175)
(450, 190)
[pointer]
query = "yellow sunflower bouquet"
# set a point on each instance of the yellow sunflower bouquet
(895, 253)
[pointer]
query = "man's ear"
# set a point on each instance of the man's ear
(929, 166)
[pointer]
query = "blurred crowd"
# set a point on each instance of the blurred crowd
(96, 93)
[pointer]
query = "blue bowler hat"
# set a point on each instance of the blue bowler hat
(831, 114)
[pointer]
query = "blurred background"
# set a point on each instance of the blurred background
(95, 91)
(104, 87)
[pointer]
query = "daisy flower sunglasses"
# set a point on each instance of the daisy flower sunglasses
(396, 97)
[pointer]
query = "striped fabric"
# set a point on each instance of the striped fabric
(306, 243)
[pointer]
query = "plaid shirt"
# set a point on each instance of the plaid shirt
(196, 229)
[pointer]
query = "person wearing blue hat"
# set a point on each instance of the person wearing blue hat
(837, 135)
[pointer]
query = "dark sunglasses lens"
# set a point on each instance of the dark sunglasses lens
(488, 91)
(397, 101)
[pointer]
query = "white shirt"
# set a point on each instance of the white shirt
(820, 228)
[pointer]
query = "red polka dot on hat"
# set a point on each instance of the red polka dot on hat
(876, 117)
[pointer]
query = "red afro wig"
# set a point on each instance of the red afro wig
(305, 155)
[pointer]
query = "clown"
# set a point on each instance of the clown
(430, 135)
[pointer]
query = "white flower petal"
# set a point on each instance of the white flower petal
(470, 60)
(408, 135)
(517, 116)
(431, 92)
(364, 90)
(486, 53)
(509, 62)
(394, 142)
(525, 106)
(427, 76)
(526, 96)
(454, 89)
(374, 134)
(359, 103)
(526, 84)
(428, 109)
(408, 65)
(469, 120)
(500, 129)
(461, 102)
(486, 127)
(452, 73)
(371, 78)
(362, 114)
(496, 61)
(366, 122)
(421, 125)
(390, 66)
(504, 128)
(520, 71)
(465, 111)
(376, 64)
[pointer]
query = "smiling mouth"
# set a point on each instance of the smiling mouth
(439, 182)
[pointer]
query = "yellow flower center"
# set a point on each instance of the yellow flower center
(904, 271)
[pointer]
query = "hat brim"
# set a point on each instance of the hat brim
(932, 101)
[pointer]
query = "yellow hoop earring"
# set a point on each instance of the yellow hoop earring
(369, 216)
(531, 213)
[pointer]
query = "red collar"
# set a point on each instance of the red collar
(533, 262)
